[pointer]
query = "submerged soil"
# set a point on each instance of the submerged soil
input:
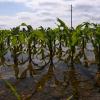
(64, 83)
(69, 81)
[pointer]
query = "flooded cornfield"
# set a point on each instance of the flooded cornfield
(50, 64)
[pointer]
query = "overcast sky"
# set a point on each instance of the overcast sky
(45, 12)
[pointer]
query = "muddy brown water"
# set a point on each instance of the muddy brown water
(7, 71)
(80, 81)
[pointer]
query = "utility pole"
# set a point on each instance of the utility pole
(71, 17)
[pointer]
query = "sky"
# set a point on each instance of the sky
(45, 12)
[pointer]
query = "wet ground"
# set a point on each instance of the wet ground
(79, 82)
(81, 77)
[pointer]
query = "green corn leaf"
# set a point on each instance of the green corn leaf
(69, 98)
(13, 89)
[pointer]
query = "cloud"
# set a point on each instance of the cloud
(45, 12)
(11, 8)
(14, 1)
(51, 4)
(83, 7)
(48, 20)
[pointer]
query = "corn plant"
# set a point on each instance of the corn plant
(4, 34)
